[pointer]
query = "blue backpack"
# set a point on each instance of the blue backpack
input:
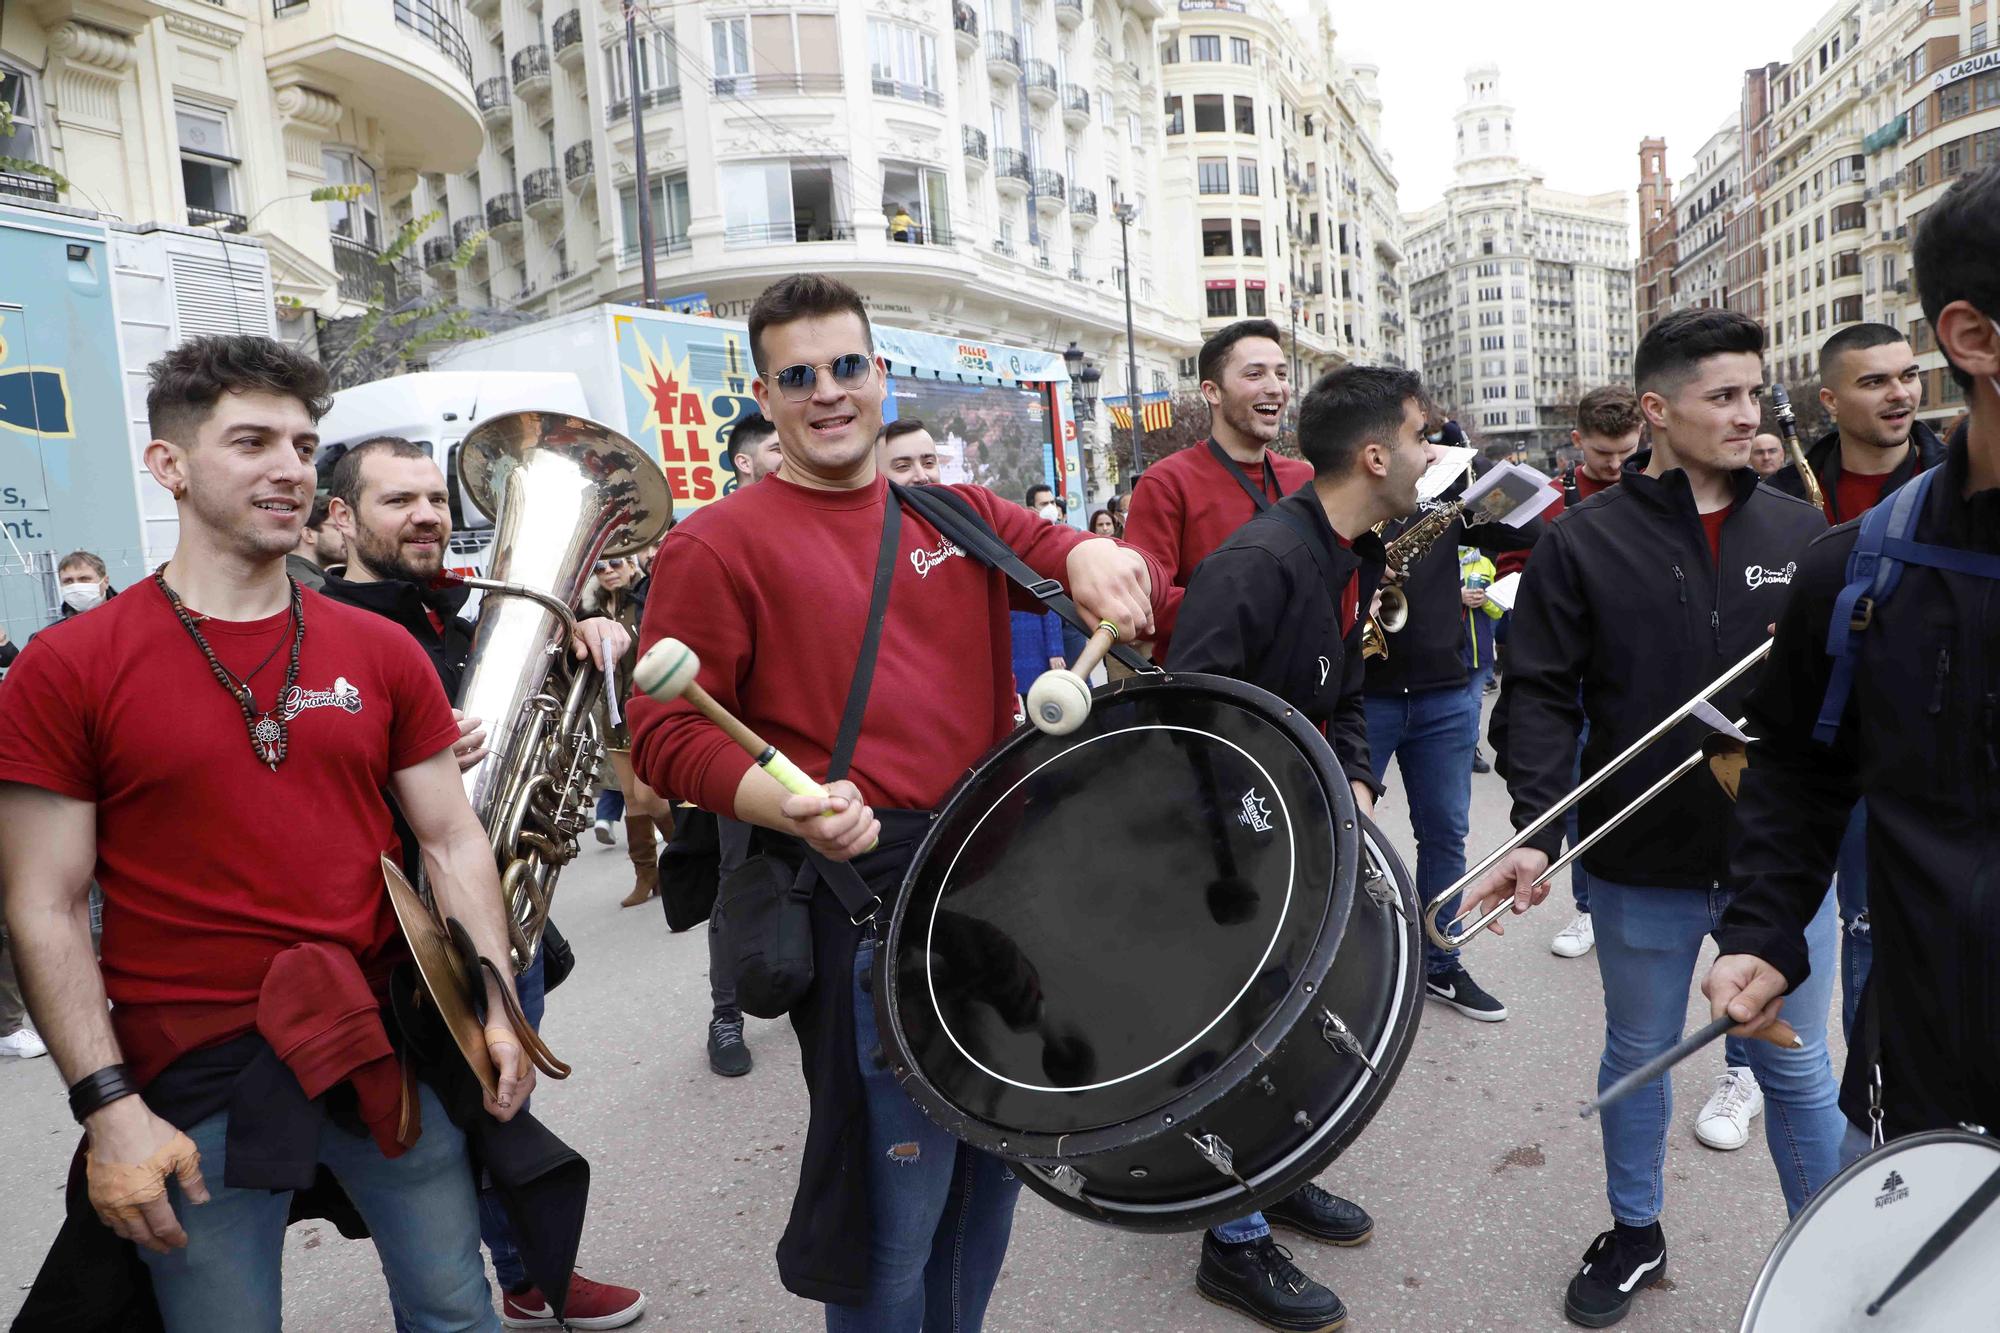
(1887, 542)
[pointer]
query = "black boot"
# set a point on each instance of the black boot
(1619, 1264)
(1258, 1278)
(1328, 1218)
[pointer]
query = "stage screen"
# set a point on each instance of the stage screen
(997, 436)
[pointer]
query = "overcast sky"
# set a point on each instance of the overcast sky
(1589, 78)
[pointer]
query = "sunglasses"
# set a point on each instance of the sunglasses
(616, 562)
(796, 383)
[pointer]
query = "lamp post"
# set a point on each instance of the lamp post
(1127, 211)
(1083, 405)
(649, 280)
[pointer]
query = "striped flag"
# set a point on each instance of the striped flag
(1156, 411)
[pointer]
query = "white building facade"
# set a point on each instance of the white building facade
(1703, 205)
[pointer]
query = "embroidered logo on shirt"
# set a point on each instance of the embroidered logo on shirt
(1256, 815)
(1756, 576)
(345, 697)
(926, 561)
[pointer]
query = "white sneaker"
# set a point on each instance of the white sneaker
(1724, 1124)
(22, 1045)
(602, 828)
(1576, 939)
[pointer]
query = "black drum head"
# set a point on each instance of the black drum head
(1101, 925)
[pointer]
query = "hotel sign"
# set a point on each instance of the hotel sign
(1965, 69)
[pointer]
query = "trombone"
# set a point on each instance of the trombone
(1452, 936)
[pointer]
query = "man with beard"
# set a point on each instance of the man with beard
(389, 504)
(1187, 504)
(753, 449)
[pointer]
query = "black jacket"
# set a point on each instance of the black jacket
(1921, 742)
(408, 605)
(1824, 459)
(1624, 598)
(1264, 607)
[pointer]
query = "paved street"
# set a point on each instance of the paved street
(1485, 1184)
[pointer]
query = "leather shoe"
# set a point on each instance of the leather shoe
(1328, 1218)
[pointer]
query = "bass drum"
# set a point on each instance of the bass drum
(1845, 1247)
(1158, 963)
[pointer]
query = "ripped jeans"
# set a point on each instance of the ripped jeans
(941, 1212)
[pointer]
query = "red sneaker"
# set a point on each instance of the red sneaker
(591, 1305)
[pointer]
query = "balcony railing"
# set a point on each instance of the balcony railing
(493, 96)
(438, 252)
(1011, 162)
(1083, 200)
(567, 32)
(1047, 184)
(361, 274)
(973, 140)
(965, 19)
(649, 99)
(1003, 47)
(464, 230)
(503, 210)
(767, 85)
(23, 185)
(788, 233)
(531, 65)
(1069, 13)
(918, 234)
(210, 217)
(909, 92)
(541, 186)
(1076, 100)
(1040, 77)
(672, 243)
(430, 23)
(579, 162)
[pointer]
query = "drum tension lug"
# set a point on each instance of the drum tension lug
(1339, 1036)
(1217, 1154)
(1378, 887)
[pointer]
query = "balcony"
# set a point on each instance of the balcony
(973, 141)
(496, 101)
(1050, 196)
(673, 243)
(965, 27)
(503, 215)
(918, 234)
(652, 97)
(1040, 78)
(542, 190)
(773, 85)
(787, 233)
(579, 166)
(909, 92)
(1069, 13)
(531, 71)
(362, 276)
(485, 9)
(1076, 106)
(25, 186)
(405, 65)
(1010, 172)
(438, 254)
(1082, 206)
(567, 39)
(210, 217)
(464, 230)
(1003, 55)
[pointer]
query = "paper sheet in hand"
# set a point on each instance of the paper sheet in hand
(1509, 493)
(1438, 477)
(1502, 592)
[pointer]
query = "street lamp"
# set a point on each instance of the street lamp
(1083, 405)
(1125, 211)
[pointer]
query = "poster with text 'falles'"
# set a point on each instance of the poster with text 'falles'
(685, 384)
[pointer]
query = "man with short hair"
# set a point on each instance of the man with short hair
(1767, 455)
(753, 448)
(1641, 594)
(897, 1225)
(1187, 504)
(909, 454)
(188, 744)
(1281, 604)
(319, 548)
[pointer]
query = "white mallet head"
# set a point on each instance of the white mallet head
(1058, 702)
(666, 670)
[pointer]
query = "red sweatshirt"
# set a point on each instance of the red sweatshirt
(770, 588)
(1187, 504)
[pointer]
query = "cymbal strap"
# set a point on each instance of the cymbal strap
(531, 1041)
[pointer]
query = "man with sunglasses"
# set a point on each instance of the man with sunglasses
(791, 563)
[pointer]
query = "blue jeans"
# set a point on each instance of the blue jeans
(940, 1211)
(1431, 734)
(611, 804)
(1242, 1229)
(1850, 886)
(419, 1208)
(1648, 941)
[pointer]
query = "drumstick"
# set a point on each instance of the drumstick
(1941, 1240)
(1778, 1032)
(667, 672)
(1059, 700)
(1094, 651)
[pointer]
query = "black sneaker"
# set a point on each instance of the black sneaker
(1457, 989)
(1259, 1279)
(727, 1055)
(1479, 764)
(1619, 1265)
(1311, 1211)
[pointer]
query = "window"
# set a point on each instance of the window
(1951, 159)
(1132, 132)
(779, 53)
(1176, 120)
(359, 219)
(1246, 175)
(1206, 48)
(775, 202)
(1253, 237)
(1954, 100)
(659, 72)
(1221, 300)
(1208, 114)
(1239, 50)
(1847, 310)
(922, 193)
(1104, 112)
(1170, 52)
(1216, 237)
(1253, 298)
(208, 170)
(731, 41)
(1212, 175)
(902, 62)
(16, 94)
(670, 216)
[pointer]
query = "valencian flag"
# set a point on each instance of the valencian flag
(1156, 411)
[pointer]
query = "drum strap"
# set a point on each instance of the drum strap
(957, 521)
(1262, 499)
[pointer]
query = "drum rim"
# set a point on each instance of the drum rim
(1761, 1288)
(1053, 1147)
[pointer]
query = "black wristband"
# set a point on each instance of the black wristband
(95, 1091)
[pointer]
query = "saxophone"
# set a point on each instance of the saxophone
(1403, 554)
(561, 491)
(1781, 408)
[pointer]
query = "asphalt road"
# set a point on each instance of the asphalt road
(1485, 1185)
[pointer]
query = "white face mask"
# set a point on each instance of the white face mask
(82, 596)
(1051, 512)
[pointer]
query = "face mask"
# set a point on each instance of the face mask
(82, 596)
(1053, 513)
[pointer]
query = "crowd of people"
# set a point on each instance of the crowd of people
(232, 1045)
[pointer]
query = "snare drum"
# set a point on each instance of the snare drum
(1846, 1246)
(1159, 963)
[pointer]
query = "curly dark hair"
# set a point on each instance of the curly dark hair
(188, 380)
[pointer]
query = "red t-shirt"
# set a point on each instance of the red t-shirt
(1350, 596)
(1187, 504)
(211, 863)
(1854, 495)
(1711, 524)
(770, 587)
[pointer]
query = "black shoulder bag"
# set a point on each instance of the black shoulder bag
(763, 908)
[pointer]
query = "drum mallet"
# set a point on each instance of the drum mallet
(1778, 1032)
(1059, 701)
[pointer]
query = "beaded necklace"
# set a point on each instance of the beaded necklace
(269, 731)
